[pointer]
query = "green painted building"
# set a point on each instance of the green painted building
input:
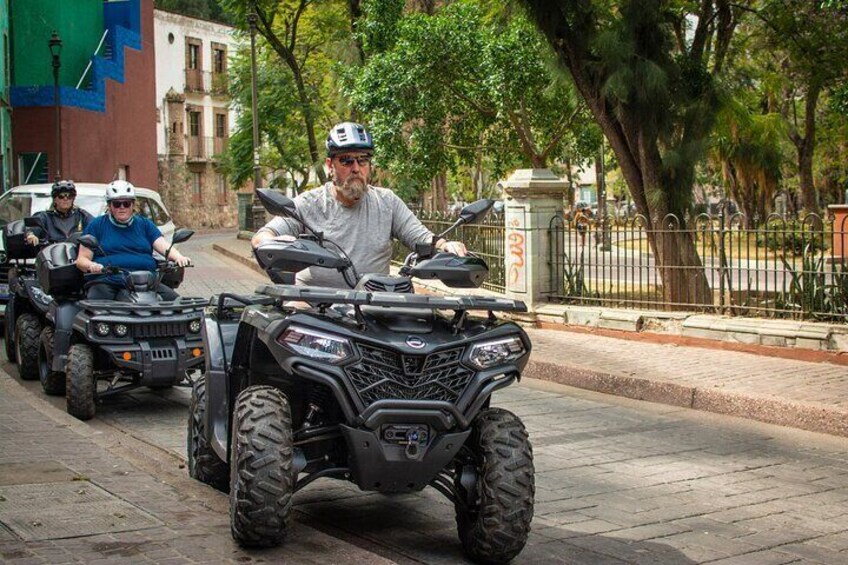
(80, 26)
(5, 107)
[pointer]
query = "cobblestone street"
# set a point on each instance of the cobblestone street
(618, 480)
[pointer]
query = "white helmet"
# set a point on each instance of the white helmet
(120, 189)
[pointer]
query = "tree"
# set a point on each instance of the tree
(300, 32)
(647, 70)
(205, 9)
(747, 148)
(451, 89)
(284, 148)
(806, 46)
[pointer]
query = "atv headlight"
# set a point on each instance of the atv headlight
(102, 329)
(492, 353)
(194, 326)
(121, 330)
(316, 345)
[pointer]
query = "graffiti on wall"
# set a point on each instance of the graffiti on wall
(516, 243)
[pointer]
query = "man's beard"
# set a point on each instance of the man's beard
(353, 189)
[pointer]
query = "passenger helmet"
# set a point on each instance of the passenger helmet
(61, 186)
(120, 189)
(348, 136)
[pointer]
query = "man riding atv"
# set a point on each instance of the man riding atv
(349, 210)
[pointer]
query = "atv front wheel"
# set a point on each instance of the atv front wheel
(494, 526)
(261, 477)
(53, 382)
(203, 463)
(27, 342)
(9, 330)
(81, 387)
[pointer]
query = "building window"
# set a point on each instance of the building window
(193, 56)
(194, 124)
(197, 188)
(220, 125)
(219, 59)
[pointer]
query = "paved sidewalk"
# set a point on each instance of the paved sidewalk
(78, 492)
(779, 390)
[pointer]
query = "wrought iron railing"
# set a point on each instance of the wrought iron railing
(782, 268)
(485, 239)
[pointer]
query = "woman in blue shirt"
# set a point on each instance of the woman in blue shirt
(128, 240)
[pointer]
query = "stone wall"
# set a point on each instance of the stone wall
(212, 208)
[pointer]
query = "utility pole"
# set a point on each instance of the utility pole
(257, 171)
(55, 45)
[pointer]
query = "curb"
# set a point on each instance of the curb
(812, 418)
(246, 261)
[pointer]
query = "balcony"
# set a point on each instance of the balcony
(205, 82)
(202, 149)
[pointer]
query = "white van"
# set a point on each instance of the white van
(23, 201)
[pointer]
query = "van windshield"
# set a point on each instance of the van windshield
(20, 205)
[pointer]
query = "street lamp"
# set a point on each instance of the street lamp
(257, 173)
(55, 44)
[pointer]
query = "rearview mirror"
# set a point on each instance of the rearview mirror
(181, 235)
(277, 203)
(476, 210)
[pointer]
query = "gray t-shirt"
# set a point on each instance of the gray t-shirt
(364, 230)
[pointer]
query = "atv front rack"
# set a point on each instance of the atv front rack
(316, 295)
(178, 306)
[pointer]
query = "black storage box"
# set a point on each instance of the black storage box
(14, 239)
(57, 271)
(173, 279)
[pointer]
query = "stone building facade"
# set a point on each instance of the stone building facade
(193, 119)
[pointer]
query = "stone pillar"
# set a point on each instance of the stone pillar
(840, 231)
(534, 197)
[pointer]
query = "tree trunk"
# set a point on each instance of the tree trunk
(805, 146)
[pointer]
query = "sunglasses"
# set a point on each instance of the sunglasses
(121, 203)
(361, 161)
(66, 196)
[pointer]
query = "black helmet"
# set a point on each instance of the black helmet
(348, 136)
(61, 186)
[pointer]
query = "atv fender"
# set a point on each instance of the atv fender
(62, 316)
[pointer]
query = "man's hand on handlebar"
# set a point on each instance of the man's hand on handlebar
(31, 239)
(95, 268)
(455, 247)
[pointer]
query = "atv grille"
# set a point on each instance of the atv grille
(381, 374)
(403, 286)
(160, 329)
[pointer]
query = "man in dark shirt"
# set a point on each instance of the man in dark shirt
(62, 219)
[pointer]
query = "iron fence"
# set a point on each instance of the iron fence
(781, 268)
(485, 239)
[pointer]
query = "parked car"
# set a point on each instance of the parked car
(23, 201)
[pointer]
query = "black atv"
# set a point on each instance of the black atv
(375, 385)
(120, 345)
(28, 303)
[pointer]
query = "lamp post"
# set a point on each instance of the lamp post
(55, 44)
(257, 172)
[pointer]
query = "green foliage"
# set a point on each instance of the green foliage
(205, 9)
(814, 291)
(791, 237)
(451, 88)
